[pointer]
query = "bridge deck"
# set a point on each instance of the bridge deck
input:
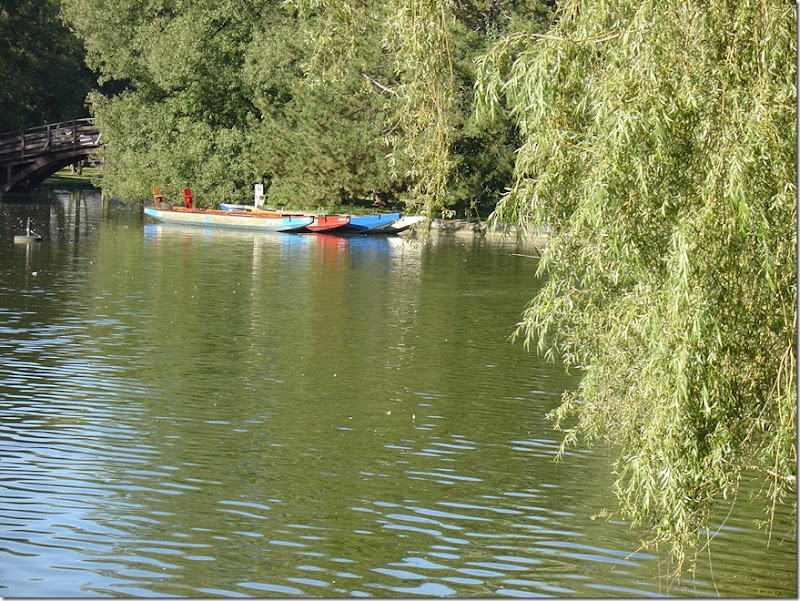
(30, 156)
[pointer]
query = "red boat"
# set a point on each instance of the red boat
(324, 223)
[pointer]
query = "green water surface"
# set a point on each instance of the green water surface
(191, 412)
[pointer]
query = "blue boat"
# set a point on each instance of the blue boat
(362, 224)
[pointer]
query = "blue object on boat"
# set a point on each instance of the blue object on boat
(225, 206)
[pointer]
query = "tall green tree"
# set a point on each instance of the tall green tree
(426, 75)
(325, 101)
(214, 97)
(181, 117)
(659, 151)
(42, 66)
(321, 144)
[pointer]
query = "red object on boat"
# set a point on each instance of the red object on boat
(187, 198)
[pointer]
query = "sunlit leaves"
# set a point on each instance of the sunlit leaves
(659, 150)
(425, 76)
(416, 38)
(176, 116)
(341, 100)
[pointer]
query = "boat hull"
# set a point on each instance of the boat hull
(383, 223)
(401, 225)
(231, 220)
(328, 223)
(362, 224)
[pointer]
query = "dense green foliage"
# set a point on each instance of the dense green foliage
(320, 144)
(326, 103)
(42, 66)
(659, 149)
(181, 119)
(426, 73)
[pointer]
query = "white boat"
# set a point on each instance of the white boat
(405, 222)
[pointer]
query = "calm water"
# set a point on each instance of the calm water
(199, 413)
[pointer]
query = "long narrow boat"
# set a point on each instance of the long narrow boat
(358, 224)
(402, 224)
(321, 223)
(363, 224)
(265, 222)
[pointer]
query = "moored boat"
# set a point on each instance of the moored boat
(327, 223)
(267, 222)
(321, 223)
(402, 224)
(362, 224)
(357, 224)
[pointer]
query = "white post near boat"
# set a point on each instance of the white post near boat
(258, 196)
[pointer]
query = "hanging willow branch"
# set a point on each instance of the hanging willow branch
(659, 148)
(417, 36)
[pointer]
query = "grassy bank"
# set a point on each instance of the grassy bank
(89, 178)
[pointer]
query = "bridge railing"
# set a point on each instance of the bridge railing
(48, 138)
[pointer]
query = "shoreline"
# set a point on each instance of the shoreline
(66, 179)
(456, 228)
(462, 228)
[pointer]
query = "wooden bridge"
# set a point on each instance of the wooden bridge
(30, 156)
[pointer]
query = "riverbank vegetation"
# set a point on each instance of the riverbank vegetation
(655, 141)
(69, 177)
(323, 104)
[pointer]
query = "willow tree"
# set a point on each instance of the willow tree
(659, 151)
(418, 55)
(416, 36)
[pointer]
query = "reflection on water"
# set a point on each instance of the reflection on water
(192, 412)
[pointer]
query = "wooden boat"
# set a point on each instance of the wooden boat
(321, 223)
(265, 222)
(358, 224)
(363, 224)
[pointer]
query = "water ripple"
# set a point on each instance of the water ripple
(171, 426)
